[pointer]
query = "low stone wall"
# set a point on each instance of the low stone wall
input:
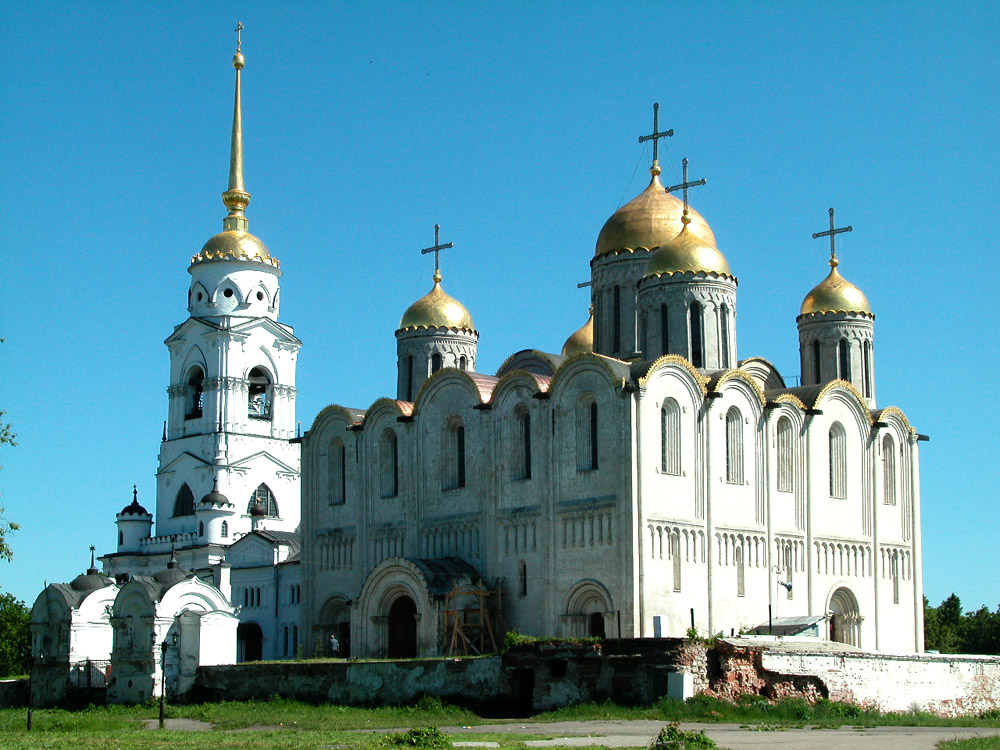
(470, 682)
(13, 693)
(947, 685)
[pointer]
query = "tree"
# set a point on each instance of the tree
(15, 636)
(6, 438)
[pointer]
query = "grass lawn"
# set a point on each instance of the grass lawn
(281, 723)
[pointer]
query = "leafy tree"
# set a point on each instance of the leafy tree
(6, 438)
(15, 636)
(948, 630)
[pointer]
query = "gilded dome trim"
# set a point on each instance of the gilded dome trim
(743, 376)
(676, 359)
(692, 274)
(235, 245)
(835, 294)
(437, 310)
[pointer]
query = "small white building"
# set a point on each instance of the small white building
(71, 636)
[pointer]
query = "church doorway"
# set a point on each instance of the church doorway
(595, 625)
(845, 618)
(344, 636)
(402, 625)
(249, 642)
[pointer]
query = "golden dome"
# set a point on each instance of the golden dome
(582, 341)
(437, 310)
(686, 252)
(235, 245)
(649, 220)
(835, 294)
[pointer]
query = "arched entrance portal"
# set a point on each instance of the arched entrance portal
(402, 626)
(249, 642)
(595, 626)
(845, 619)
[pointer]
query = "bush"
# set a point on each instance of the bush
(422, 737)
(672, 737)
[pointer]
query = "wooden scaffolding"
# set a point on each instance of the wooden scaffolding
(472, 619)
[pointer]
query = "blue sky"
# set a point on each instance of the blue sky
(515, 127)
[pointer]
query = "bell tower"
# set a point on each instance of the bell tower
(226, 443)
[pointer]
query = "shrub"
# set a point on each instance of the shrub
(672, 737)
(422, 737)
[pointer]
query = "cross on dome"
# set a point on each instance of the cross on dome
(436, 249)
(655, 136)
(831, 233)
(238, 29)
(685, 218)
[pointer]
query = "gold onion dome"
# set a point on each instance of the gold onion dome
(835, 294)
(687, 252)
(582, 341)
(235, 245)
(650, 220)
(436, 309)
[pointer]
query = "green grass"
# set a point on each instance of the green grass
(976, 743)
(281, 723)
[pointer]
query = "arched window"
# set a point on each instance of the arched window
(284, 640)
(741, 581)
(843, 360)
(786, 456)
(196, 394)
(838, 461)
(697, 340)
(435, 362)
(389, 469)
(463, 363)
(454, 455)
(259, 394)
(866, 367)
(815, 360)
(184, 502)
(121, 538)
(586, 434)
(337, 459)
(670, 437)
(201, 528)
(616, 324)
(664, 330)
(246, 597)
(265, 497)
(888, 471)
(295, 639)
(675, 555)
(734, 446)
(724, 334)
(521, 464)
(522, 579)
(408, 382)
(225, 530)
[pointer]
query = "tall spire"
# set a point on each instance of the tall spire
(236, 198)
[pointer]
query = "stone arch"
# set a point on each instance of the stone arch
(391, 580)
(334, 619)
(585, 599)
(845, 617)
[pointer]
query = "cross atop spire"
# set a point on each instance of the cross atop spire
(92, 550)
(685, 217)
(238, 29)
(655, 136)
(831, 233)
(437, 248)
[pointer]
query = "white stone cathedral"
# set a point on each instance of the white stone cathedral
(642, 482)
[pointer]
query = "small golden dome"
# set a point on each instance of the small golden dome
(437, 310)
(649, 220)
(687, 252)
(235, 245)
(582, 341)
(835, 294)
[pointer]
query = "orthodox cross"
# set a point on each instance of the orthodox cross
(831, 233)
(656, 135)
(238, 29)
(437, 248)
(685, 218)
(92, 550)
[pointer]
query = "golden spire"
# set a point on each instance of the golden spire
(236, 198)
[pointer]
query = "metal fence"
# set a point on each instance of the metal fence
(90, 673)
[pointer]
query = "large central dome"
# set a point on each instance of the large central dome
(650, 220)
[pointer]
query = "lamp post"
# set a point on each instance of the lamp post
(163, 672)
(31, 676)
